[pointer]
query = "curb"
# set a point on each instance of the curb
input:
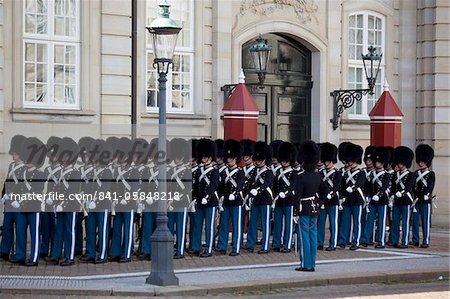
(241, 287)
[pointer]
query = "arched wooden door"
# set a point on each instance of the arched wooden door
(285, 98)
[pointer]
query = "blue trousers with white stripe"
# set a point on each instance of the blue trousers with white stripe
(25, 220)
(255, 212)
(9, 225)
(148, 225)
(97, 222)
(64, 235)
(308, 241)
(423, 215)
(283, 227)
(400, 213)
(177, 225)
(378, 212)
(122, 243)
(47, 231)
(357, 212)
(344, 229)
(233, 213)
(207, 215)
(321, 221)
(364, 239)
(332, 212)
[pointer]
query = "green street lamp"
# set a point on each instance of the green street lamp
(164, 32)
(260, 53)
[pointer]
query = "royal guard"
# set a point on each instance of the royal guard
(205, 188)
(221, 165)
(423, 192)
(231, 186)
(283, 203)
(353, 183)
(180, 187)
(66, 209)
(378, 196)
(195, 165)
(123, 227)
(12, 183)
(403, 198)
(51, 176)
(329, 202)
(275, 164)
(389, 169)
(33, 155)
(249, 172)
(260, 198)
(309, 186)
(368, 161)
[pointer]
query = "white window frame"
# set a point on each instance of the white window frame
(50, 39)
(358, 63)
(179, 50)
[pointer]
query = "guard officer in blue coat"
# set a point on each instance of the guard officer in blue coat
(231, 186)
(423, 192)
(328, 203)
(368, 161)
(260, 198)
(283, 203)
(403, 198)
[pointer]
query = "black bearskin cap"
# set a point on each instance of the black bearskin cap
(16, 144)
(328, 152)
(52, 146)
(179, 149)
(391, 155)
(262, 151)
(232, 149)
(368, 152)
(424, 153)
(206, 148)
(140, 149)
(247, 147)
(341, 151)
(353, 153)
(275, 145)
(33, 151)
(287, 152)
(381, 154)
(220, 144)
(84, 144)
(123, 149)
(309, 155)
(68, 150)
(403, 155)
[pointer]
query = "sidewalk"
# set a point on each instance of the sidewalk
(224, 274)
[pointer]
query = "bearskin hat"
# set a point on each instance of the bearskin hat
(101, 152)
(69, 151)
(179, 149)
(140, 150)
(275, 145)
(368, 152)
(424, 153)
(391, 155)
(328, 152)
(287, 152)
(194, 148)
(123, 149)
(16, 144)
(403, 155)
(381, 154)
(206, 148)
(341, 151)
(84, 144)
(52, 146)
(247, 147)
(220, 144)
(33, 151)
(309, 155)
(232, 149)
(353, 153)
(262, 151)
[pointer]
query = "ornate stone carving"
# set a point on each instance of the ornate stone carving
(304, 9)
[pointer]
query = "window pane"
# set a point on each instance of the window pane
(41, 93)
(359, 21)
(351, 36)
(352, 52)
(30, 92)
(30, 72)
(41, 53)
(41, 72)
(378, 24)
(30, 52)
(371, 22)
(186, 64)
(59, 7)
(175, 81)
(71, 8)
(59, 73)
(41, 6)
(176, 63)
(59, 93)
(371, 38)
(70, 75)
(70, 55)
(359, 36)
(30, 6)
(70, 95)
(59, 26)
(176, 101)
(30, 23)
(41, 24)
(352, 21)
(59, 54)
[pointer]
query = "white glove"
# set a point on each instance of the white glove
(15, 204)
(49, 201)
(254, 192)
(92, 205)
(231, 197)
(329, 195)
(426, 197)
(349, 190)
(296, 218)
(59, 208)
(149, 201)
(375, 198)
(322, 207)
(281, 195)
(170, 208)
(204, 201)
(391, 203)
(5, 198)
(123, 202)
(398, 194)
(220, 208)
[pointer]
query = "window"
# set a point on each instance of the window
(51, 50)
(364, 29)
(180, 77)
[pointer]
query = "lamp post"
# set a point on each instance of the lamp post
(164, 32)
(345, 98)
(260, 53)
